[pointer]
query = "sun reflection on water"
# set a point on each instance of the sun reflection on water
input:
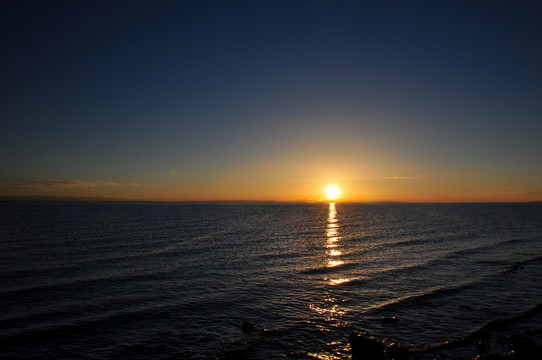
(333, 243)
(334, 252)
(338, 281)
(333, 263)
(331, 308)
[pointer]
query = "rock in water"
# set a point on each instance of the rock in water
(389, 320)
(247, 326)
(366, 347)
(524, 348)
(397, 352)
(491, 357)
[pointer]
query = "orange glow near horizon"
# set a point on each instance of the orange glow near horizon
(310, 188)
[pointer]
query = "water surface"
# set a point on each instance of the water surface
(142, 281)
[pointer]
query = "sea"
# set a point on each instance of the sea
(178, 280)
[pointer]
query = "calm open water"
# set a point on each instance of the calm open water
(160, 281)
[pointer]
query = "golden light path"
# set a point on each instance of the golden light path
(332, 310)
(333, 238)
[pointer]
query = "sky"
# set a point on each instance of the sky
(415, 101)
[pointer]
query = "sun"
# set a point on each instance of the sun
(332, 192)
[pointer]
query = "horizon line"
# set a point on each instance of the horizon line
(86, 199)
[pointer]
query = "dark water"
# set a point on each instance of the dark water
(152, 281)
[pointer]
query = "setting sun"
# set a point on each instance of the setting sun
(332, 192)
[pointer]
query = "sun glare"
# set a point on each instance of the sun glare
(332, 192)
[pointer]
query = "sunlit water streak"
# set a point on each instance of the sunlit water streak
(142, 281)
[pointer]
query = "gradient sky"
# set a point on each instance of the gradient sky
(272, 100)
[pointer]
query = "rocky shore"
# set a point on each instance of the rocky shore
(515, 338)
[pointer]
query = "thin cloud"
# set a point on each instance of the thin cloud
(50, 185)
(398, 178)
(509, 191)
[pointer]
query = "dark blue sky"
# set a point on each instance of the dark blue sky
(208, 99)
